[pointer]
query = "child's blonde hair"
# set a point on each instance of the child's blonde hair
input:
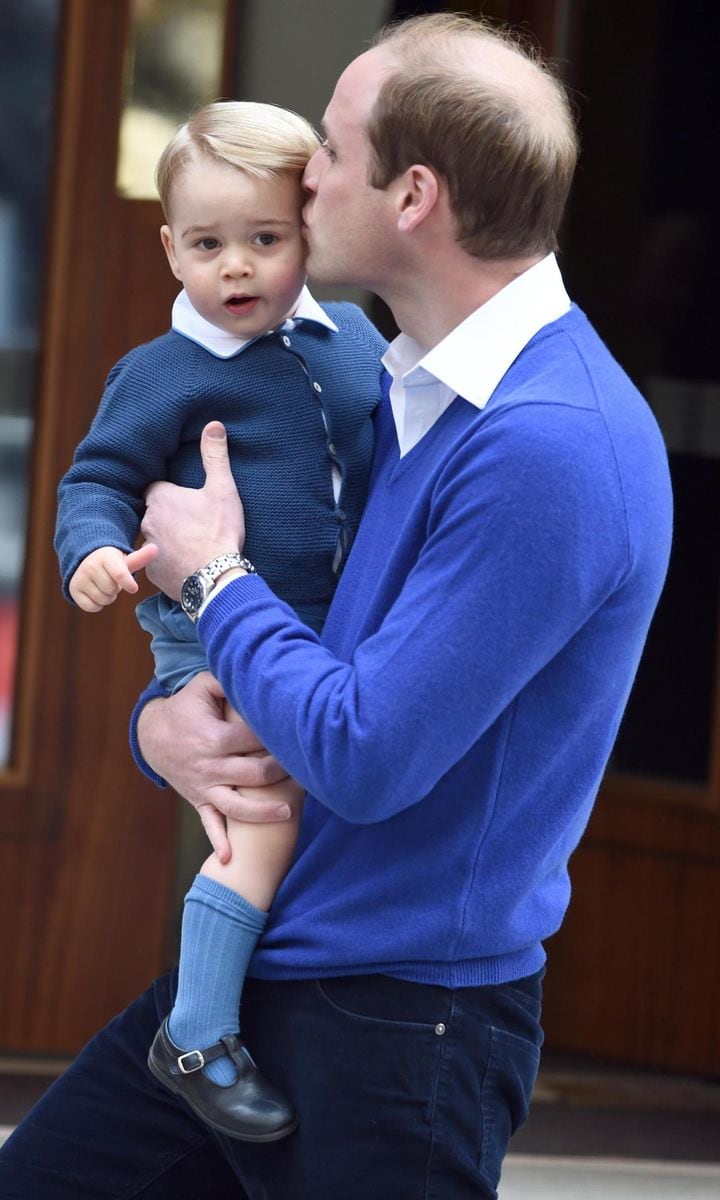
(262, 139)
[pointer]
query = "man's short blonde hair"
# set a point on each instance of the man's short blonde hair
(481, 109)
(261, 139)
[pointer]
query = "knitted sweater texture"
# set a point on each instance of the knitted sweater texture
(453, 724)
(294, 402)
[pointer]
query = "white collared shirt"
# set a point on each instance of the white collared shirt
(187, 321)
(472, 359)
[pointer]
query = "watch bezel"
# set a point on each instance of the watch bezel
(204, 580)
(194, 592)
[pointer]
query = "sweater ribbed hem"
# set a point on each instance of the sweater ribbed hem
(477, 972)
(153, 691)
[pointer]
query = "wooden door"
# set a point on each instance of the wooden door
(87, 847)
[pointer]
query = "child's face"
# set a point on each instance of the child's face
(235, 243)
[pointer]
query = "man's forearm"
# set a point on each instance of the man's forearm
(370, 728)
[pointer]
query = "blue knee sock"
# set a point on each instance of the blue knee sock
(220, 930)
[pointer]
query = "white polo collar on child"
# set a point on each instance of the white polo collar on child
(187, 321)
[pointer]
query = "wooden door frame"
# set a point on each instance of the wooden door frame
(87, 846)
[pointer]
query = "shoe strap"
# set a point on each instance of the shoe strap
(237, 1051)
(194, 1060)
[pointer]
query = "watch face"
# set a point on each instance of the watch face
(193, 594)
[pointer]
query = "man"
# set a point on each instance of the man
(453, 726)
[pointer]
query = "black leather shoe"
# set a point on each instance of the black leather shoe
(250, 1109)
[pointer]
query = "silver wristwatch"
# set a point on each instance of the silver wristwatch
(197, 587)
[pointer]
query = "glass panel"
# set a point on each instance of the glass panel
(28, 36)
(643, 260)
(669, 726)
(173, 65)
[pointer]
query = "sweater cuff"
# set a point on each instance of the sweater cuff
(153, 691)
(227, 601)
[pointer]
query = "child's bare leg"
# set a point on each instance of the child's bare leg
(261, 853)
(225, 914)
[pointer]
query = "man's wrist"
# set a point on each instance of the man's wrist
(198, 587)
(226, 578)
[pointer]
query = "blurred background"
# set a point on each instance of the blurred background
(93, 859)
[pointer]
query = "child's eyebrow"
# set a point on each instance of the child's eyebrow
(193, 230)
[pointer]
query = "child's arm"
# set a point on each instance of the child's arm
(134, 434)
(105, 573)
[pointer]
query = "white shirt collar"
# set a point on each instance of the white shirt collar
(187, 321)
(472, 359)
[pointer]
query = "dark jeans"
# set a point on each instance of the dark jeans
(403, 1091)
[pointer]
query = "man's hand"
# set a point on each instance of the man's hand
(187, 741)
(105, 573)
(191, 526)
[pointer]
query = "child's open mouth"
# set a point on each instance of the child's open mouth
(241, 305)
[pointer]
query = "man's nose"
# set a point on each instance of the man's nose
(311, 172)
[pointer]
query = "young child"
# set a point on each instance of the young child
(296, 386)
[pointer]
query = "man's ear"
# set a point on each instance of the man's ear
(417, 195)
(166, 238)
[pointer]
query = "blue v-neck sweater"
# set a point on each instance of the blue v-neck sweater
(454, 722)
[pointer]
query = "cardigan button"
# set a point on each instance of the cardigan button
(286, 340)
(332, 448)
(316, 385)
(440, 1029)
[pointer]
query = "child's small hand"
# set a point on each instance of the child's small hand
(105, 573)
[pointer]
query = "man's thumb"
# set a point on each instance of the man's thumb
(214, 453)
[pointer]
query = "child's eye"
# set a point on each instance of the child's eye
(265, 239)
(208, 243)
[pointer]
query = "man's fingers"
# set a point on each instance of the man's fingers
(257, 812)
(215, 459)
(268, 768)
(207, 683)
(245, 770)
(214, 825)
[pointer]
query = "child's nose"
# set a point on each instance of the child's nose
(236, 263)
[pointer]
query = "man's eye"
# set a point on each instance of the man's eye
(208, 243)
(327, 148)
(265, 239)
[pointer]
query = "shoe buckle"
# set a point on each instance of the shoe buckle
(192, 1060)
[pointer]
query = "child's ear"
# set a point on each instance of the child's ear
(166, 238)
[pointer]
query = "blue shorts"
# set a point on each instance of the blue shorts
(178, 655)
